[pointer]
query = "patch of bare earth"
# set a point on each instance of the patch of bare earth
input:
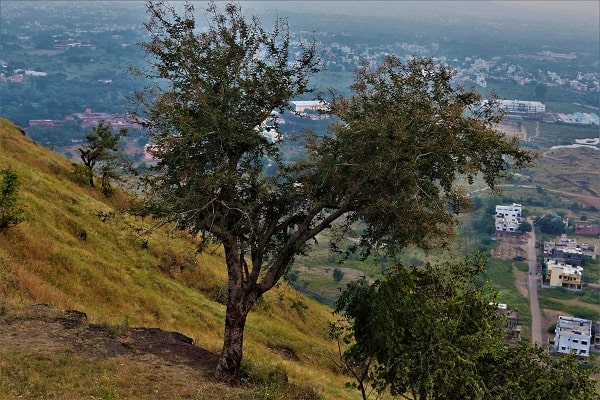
(510, 246)
(47, 329)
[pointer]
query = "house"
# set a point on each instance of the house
(560, 274)
(583, 229)
(508, 218)
(566, 250)
(512, 326)
(573, 335)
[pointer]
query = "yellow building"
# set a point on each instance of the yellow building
(564, 275)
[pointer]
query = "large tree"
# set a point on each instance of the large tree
(391, 162)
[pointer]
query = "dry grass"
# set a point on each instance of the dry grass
(66, 256)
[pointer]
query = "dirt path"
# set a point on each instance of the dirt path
(534, 303)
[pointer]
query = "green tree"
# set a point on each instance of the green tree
(338, 274)
(422, 329)
(551, 224)
(10, 212)
(102, 146)
(524, 226)
(391, 161)
(433, 332)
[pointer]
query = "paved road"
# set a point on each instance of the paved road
(534, 303)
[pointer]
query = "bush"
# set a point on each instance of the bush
(80, 174)
(10, 212)
(338, 274)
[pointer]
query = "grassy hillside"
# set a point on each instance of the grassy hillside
(73, 253)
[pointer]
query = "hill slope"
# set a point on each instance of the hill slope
(75, 252)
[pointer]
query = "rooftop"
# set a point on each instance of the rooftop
(574, 325)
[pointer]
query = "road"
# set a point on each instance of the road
(534, 303)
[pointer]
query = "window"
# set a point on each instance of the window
(575, 341)
(584, 342)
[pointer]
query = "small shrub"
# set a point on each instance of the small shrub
(220, 294)
(338, 275)
(80, 174)
(10, 212)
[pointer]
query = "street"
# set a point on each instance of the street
(534, 304)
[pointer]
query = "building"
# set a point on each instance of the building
(301, 106)
(522, 107)
(560, 274)
(584, 229)
(513, 325)
(573, 335)
(508, 218)
(566, 251)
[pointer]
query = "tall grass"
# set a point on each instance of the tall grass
(74, 253)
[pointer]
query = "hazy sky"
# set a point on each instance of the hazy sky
(588, 10)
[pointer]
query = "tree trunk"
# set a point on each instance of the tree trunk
(228, 369)
(239, 302)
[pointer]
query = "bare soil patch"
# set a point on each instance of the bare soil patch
(510, 246)
(47, 330)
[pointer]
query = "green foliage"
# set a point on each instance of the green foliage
(102, 146)
(421, 330)
(432, 332)
(391, 162)
(81, 174)
(524, 227)
(10, 212)
(530, 372)
(338, 274)
(551, 224)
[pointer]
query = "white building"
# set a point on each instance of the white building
(522, 107)
(573, 335)
(301, 106)
(508, 218)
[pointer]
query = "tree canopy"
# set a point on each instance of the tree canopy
(434, 332)
(102, 146)
(551, 224)
(391, 162)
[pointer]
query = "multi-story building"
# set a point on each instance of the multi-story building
(573, 335)
(508, 218)
(566, 250)
(301, 106)
(560, 274)
(522, 107)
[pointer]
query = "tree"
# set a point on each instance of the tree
(422, 329)
(434, 332)
(551, 224)
(529, 372)
(102, 147)
(524, 226)
(391, 162)
(10, 212)
(338, 274)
